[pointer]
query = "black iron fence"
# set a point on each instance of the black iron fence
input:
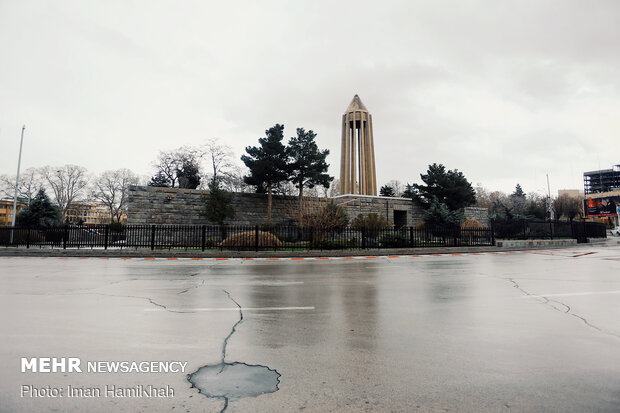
(204, 237)
(227, 237)
(528, 229)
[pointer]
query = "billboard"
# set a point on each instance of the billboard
(601, 207)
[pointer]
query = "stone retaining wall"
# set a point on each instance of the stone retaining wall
(479, 214)
(154, 205)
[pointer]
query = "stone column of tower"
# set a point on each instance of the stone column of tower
(357, 155)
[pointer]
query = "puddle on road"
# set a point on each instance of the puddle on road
(233, 381)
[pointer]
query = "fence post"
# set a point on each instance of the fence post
(65, 234)
(493, 232)
(363, 238)
(583, 228)
(28, 238)
(204, 236)
(551, 229)
(256, 237)
(152, 237)
(411, 237)
(105, 237)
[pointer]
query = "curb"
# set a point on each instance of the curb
(392, 252)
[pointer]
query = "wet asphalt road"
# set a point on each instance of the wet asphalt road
(521, 332)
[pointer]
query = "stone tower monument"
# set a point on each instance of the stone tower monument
(357, 155)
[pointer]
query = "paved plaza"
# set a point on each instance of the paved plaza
(519, 331)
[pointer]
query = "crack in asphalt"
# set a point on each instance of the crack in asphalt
(566, 310)
(195, 286)
(222, 367)
(232, 331)
(150, 300)
(225, 403)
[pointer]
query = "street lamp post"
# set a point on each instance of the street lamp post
(19, 162)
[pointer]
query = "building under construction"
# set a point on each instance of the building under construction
(604, 180)
(602, 194)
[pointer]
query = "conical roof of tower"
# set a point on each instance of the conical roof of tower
(356, 105)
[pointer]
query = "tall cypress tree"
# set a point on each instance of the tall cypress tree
(267, 163)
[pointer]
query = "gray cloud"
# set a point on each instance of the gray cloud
(503, 91)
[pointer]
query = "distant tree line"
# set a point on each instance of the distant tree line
(65, 187)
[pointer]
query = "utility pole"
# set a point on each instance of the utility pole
(550, 210)
(19, 162)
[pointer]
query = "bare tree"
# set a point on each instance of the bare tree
(567, 206)
(5, 186)
(111, 188)
(68, 183)
(334, 189)
(170, 163)
(219, 157)
(397, 186)
(30, 182)
(232, 180)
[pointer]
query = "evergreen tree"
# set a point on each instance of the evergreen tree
(518, 193)
(535, 210)
(409, 191)
(308, 164)
(387, 191)
(188, 176)
(438, 215)
(448, 187)
(159, 180)
(267, 163)
(40, 213)
(519, 201)
(218, 204)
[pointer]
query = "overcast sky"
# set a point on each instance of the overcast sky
(504, 91)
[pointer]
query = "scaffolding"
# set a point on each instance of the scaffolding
(604, 180)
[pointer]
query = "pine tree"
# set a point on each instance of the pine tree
(518, 192)
(308, 164)
(448, 187)
(518, 201)
(40, 213)
(267, 163)
(387, 191)
(188, 176)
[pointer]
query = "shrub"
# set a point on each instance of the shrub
(395, 240)
(371, 223)
(471, 223)
(247, 240)
(336, 244)
(210, 243)
(218, 204)
(117, 227)
(371, 220)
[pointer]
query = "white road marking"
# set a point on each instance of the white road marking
(261, 283)
(573, 294)
(232, 309)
